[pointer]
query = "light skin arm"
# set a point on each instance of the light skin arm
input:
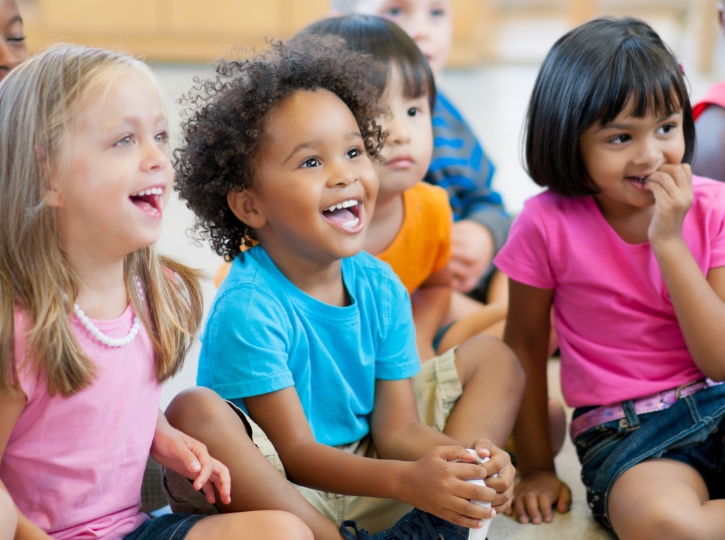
(11, 407)
(326, 468)
(471, 252)
(430, 306)
(698, 300)
(527, 333)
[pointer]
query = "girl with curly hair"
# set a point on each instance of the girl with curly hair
(310, 339)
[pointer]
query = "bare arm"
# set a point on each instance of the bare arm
(430, 306)
(11, 407)
(527, 333)
(322, 467)
(698, 300)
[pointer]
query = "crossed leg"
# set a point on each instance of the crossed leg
(665, 499)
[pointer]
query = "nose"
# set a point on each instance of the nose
(648, 152)
(155, 157)
(398, 130)
(341, 174)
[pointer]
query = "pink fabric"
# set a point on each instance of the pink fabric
(715, 96)
(618, 334)
(74, 466)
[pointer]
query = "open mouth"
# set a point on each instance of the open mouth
(638, 179)
(346, 214)
(148, 200)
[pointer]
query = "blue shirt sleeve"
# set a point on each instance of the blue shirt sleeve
(245, 345)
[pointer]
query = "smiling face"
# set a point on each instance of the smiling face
(428, 22)
(620, 155)
(113, 173)
(314, 186)
(13, 49)
(409, 146)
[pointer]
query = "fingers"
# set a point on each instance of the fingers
(531, 504)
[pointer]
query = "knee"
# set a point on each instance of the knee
(286, 525)
(663, 522)
(194, 408)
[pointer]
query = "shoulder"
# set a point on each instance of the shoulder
(709, 195)
(715, 96)
(373, 278)
(444, 107)
(431, 198)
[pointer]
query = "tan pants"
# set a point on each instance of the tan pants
(437, 388)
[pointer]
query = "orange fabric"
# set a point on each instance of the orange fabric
(423, 244)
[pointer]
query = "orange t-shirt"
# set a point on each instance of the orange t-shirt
(423, 244)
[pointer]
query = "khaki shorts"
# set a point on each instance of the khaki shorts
(437, 388)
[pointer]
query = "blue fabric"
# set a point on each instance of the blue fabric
(689, 431)
(166, 527)
(461, 167)
(264, 334)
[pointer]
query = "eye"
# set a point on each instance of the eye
(125, 141)
(413, 111)
(162, 137)
(666, 129)
(620, 139)
(438, 12)
(393, 12)
(310, 162)
(353, 153)
(16, 39)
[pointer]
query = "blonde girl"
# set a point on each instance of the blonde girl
(92, 319)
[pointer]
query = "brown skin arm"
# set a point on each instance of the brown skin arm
(430, 306)
(709, 159)
(326, 468)
(11, 407)
(527, 333)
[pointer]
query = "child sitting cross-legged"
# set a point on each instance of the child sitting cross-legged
(310, 339)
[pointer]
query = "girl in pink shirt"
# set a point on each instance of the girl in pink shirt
(629, 248)
(92, 319)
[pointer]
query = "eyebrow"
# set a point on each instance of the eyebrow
(317, 142)
(628, 126)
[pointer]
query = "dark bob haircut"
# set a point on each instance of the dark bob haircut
(590, 75)
(388, 44)
(226, 123)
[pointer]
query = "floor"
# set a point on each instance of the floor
(493, 98)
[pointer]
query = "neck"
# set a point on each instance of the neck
(321, 280)
(101, 285)
(386, 223)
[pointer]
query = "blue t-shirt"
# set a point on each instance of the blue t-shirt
(264, 334)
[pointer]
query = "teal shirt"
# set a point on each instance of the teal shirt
(264, 334)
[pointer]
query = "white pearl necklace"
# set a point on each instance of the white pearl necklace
(103, 338)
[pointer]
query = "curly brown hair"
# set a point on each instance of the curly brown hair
(226, 120)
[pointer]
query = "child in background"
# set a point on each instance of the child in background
(85, 176)
(629, 248)
(309, 338)
(13, 49)
(410, 229)
(459, 164)
(709, 114)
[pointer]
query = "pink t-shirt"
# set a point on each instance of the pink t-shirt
(74, 466)
(618, 333)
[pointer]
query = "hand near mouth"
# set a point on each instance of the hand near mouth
(671, 186)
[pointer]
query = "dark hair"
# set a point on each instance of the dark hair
(227, 116)
(388, 44)
(590, 75)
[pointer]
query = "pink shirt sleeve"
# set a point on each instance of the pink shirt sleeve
(524, 257)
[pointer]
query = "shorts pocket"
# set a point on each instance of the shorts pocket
(592, 442)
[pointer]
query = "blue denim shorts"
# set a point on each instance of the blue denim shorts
(166, 527)
(691, 431)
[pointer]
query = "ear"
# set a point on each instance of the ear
(53, 195)
(244, 205)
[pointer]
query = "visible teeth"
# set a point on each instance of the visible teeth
(343, 204)
(150, 191)
(352, 223)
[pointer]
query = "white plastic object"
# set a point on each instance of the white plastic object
(479, 534)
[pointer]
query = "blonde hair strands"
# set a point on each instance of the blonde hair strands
(38, 102)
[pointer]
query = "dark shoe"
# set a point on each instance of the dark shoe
(416, 525)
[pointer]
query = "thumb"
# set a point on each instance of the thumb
(455, 453)
(564, 502)
(188, 458)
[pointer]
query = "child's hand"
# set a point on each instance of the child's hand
(471, 253)
(536, 494)
(437, 484)
(185, 455)
(671, 186)
(499, 464)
